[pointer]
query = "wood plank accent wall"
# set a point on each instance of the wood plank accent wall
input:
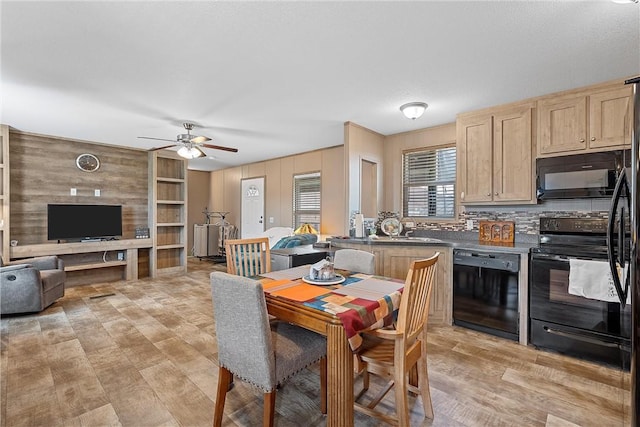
(43, 170)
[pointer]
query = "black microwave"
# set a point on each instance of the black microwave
(580, 175)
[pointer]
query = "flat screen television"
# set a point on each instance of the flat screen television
(83, 222)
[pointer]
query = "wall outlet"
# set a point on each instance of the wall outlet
(120, 256)
(73, 192)
(96, 193)
(469, 224)
(271, 220)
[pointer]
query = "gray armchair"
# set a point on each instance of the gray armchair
(31, 285)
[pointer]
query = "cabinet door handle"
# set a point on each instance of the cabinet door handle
(581, 139)
(593, 138)
(488, 194)
(496, 193)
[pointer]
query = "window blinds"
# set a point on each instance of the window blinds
(306, 200)
(428, 183)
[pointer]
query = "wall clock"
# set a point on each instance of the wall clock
(88, 162)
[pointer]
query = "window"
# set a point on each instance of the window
(306, 200)
(428, 183)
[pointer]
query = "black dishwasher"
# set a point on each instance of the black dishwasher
(485, 292)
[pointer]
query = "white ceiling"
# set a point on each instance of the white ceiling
(277, 78)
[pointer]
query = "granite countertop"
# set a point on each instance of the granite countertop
(455, 239)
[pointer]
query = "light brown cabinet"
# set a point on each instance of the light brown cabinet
(495, 156)
(583, 122)
(394, 261)
(168, 211)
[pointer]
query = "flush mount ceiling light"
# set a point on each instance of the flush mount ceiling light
(624, 1)
(413, 110)
(190, 152)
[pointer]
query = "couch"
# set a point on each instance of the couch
(31, 285)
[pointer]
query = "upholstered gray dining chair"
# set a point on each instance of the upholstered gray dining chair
(253, 350)
(354, 260)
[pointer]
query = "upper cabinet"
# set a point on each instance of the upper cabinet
(495, 155)
(594, 120)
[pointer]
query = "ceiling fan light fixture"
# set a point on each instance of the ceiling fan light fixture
(190, 152)
(413, 110)
(200, 139)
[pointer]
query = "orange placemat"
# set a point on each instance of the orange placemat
(270, 284)
(302, 292)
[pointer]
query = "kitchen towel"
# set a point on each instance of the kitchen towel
(592, 279)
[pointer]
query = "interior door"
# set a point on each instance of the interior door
(252, 208)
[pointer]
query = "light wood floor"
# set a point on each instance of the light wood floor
(146, 356)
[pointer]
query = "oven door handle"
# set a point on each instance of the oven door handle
(580, 337)
(550, 257)
(562, 258)
(621, 189)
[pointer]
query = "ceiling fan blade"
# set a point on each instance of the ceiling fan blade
(219, 147)
(200, 139)
(162, 148)
(157, 139)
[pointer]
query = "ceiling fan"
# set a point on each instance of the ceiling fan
(190, 144)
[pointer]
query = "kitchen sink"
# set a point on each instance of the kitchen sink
(420, 239)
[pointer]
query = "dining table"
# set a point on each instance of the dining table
(338, 308)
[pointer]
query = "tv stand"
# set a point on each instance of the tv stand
(89, 255)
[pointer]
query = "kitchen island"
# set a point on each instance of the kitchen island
(395, 254)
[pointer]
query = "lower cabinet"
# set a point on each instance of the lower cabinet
(394, 261)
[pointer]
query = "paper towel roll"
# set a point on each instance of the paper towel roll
(359, 225)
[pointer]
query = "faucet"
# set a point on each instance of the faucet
(406, 234)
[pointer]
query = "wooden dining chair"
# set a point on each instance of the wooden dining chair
(250, 348)
(392, 353)
(248, 257)
(354, 260)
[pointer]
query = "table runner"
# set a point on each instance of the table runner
(357, 314)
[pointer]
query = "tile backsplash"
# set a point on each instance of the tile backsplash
(526, 218)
